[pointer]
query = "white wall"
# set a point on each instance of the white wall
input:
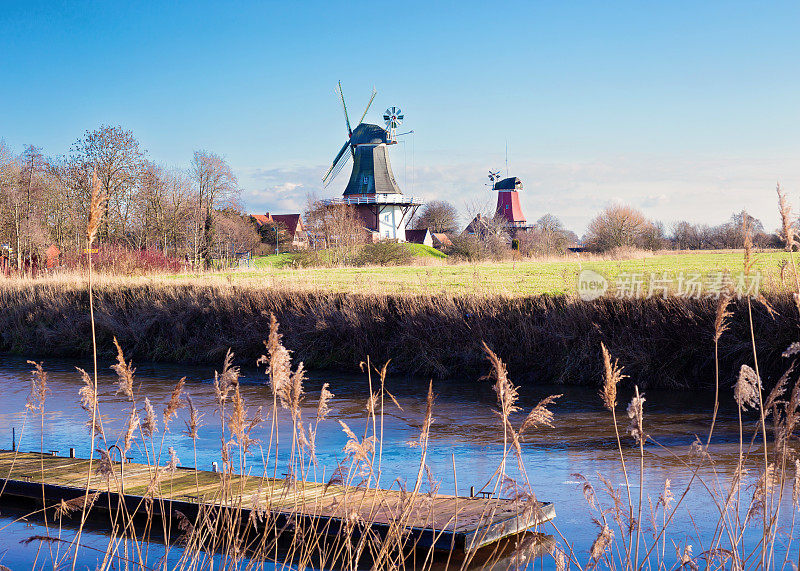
(389, 222)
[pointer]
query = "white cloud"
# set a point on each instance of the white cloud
(704, 189)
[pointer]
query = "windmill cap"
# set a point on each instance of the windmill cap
(368, 134)
(511, 183)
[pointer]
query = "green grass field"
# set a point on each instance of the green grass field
(557, 276)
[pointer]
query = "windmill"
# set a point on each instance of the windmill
(393, 117)
(372, 188)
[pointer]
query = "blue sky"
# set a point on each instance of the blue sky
(683, 109)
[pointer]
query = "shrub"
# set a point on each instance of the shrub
(384, 254)
(468, 248)
(126, 261)
(623, 226)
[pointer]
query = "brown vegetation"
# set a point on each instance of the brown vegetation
(666, 343)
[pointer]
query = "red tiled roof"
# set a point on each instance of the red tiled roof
(292, 223)
(442, 239)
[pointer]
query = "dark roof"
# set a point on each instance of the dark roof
(511, 183)
(289, 221)
(368, 134)
(372, 172)
(416, 236)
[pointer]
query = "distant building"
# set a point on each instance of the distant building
(420, 237)
(508, 205)
(441, 241)
(292, 224)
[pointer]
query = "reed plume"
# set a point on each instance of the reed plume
(39, 390)
(296, 392)
(666, 498)
(686, 561)
(240, 425)
(194, 419)
(87, 392)
(612, 375)
(636, 416)
(600, 545)
(225, 381)
(149, 423)
(791, 350)
(787, 227)
(359, 452)
(67, 507)
(325, 397)
(88, 397)
(133, 424)
(96, 209)
(174, 461)
(104, 466)
(124, 372)
(722, 316)
(506, 392)
(540, 415)
(586, 489)
(765, 484)
(747, 388)
(174, 403)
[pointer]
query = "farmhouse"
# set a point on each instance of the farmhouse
(291, 224)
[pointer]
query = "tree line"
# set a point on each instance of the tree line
(192, 213)
(195, 214)
(617, 226)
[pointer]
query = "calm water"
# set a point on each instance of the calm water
(466, 438)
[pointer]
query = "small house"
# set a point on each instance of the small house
(423, 236)
(292, 224)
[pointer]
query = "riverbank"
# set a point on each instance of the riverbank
(664, 343)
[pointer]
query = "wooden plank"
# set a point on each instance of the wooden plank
(474, 522)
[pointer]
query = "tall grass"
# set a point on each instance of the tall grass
(663, 342)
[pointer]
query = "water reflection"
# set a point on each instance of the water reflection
(466, 438)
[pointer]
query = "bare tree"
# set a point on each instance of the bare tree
(620, 226)
(216, 185)
(334, 226)
(546, 237)
(235, 234)
(437, 216)
(119, 162)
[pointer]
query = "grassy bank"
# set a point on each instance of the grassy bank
(522, 278)
(664, 343)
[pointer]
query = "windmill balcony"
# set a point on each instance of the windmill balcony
(374, 199)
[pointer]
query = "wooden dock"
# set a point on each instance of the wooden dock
(440, 521)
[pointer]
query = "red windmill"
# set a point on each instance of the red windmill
(508, 205)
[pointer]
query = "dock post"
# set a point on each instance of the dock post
(72, 453)
(13, 439)
(472, 491)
